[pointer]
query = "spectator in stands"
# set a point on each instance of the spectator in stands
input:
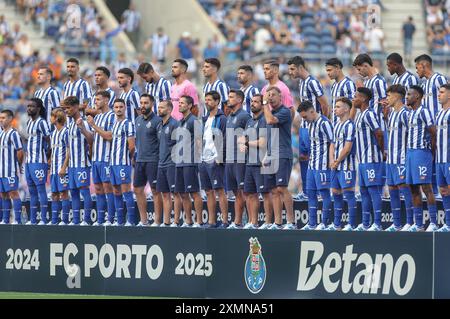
(408, 31)
(132, 20)
(186, 52)
(158, 42)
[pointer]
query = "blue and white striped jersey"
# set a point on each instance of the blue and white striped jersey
(78, 146)
(407, 79)
(397, 127)
(120, 154)
(51, 99)
(418, 135)
(159, 90)
(37, 131)
(321, 136)
(220, 87)
(311, 90)
(10, 143)
(249, 92)
(344, 88)
(80, 88)
(367, 148)
(443, 136)
(131, 99)
(344, 133)
(60, 143)
(431, 90)
(111, 99)
(377, 84)
(101, 149)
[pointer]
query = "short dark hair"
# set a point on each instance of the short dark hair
(334, 62)
(239, 93)
(168, 102)
(345, 100)
(8, 112)
(297, 61)
(48, 70)
(127, 71)
(424, 57)
(214, 94)
(418, 89)
(189, 99)
(71, 101)
(73, 60)
(446, 86)
(361, 59)
(105, 70)
(214, 62)
(182, 62)
(260, 97)
(104, 93)
(120, 101)
(272, 63)
(395, 57)
(305, 106)
(247, 68)
(144, 68)
(367, 92)
(150, 97)
(397, 88)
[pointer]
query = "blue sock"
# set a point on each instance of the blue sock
(434, 185)
(76, 203)
(377, 203)
(418, 214)
(17, 204)
(432, 209)
(66, 210)
(56, 207)
(43, 201)
(446, 203)
(131, 212)
(34, 202)
(366, 206)
(87, 204)
(326, 205)
(352, 207)
(1, 207)
(338, 204)
(6, 210)
(101, 207)
(312, 207)
(406, 192)
(111, 207)
(304, 171)
(118, 201)
(395, 206)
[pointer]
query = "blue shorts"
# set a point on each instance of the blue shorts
(419, 167)
(186, 179)
(235, 174)
(443, 174)
(211, 175)
(283, 174)
(145, 173)
(318, 179)
(79, 177)
(59, 184)
(396, 174)
(343, 179)
(371, 174)
(9, 184)
(101, 172)
(36, 174)
(166, 180)
(254, 181)
(120, 174)
(304, 142)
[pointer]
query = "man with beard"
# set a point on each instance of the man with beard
(245, 78)
(125, 78)
(49, 96)
(101, 78)
(156, 85)
(182, 86)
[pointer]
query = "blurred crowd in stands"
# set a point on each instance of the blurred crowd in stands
(438, 26)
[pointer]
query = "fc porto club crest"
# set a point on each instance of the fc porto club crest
(255, 268)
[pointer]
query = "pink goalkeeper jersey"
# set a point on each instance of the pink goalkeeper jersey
(177, 91)
(286, 96)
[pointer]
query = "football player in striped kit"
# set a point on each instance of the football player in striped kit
(48, 94)
(419, 157)
(369, 151)
(443, 152)
(59, 184)
(394, 63)
(342, 164)
(245, 78)
(11, 157)
(156, 85)
(78, 161)
(210, 71)
(122, 151)
(76, 86)
(125, 78)
(101, 78)
(396, 115)
(318, 176)
(102, 125)
(36, 166)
